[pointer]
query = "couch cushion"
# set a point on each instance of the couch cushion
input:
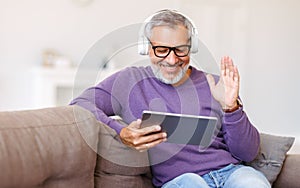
(289, 175)
(45, 148)
(107, 180)
(118, 163)
(272, 154)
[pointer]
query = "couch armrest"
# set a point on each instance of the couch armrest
(289, 175)
(46, 148)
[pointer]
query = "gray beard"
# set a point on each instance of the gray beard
(158, 74)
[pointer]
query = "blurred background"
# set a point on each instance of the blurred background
(43, 41)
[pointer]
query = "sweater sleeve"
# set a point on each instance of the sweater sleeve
(241, 137)
(101, 103)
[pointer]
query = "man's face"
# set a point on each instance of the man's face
(171, 68)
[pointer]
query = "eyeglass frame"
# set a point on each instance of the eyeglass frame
(170, 49)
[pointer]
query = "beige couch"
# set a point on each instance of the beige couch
(56, 147)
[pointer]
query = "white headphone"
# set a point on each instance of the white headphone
(143, 43)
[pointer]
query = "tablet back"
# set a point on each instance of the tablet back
(183, 129)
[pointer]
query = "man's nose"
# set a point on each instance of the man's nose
(172, 58)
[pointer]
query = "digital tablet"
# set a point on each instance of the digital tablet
(182, 128)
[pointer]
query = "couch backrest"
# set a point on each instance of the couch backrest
(53, 147)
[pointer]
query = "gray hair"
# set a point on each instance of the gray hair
(168, 18)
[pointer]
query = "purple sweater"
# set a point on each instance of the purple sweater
(128, 92)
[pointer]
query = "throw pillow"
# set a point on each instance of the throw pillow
(272, 154)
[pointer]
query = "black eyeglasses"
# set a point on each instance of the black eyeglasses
(164, 51)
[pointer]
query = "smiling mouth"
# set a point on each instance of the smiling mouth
(170, 69)
(167, 65)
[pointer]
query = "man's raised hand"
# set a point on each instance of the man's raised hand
(226, 91)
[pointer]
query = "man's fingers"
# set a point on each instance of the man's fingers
(226, 66)
(150, 129)
(229, 71)
(136, 128)
(146, 146)
(150, 141)
(236, 75)
(223, 66)
(152, 137)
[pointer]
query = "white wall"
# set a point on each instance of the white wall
(261, 36)
(271, 78)
(29, 27)
(272, 70)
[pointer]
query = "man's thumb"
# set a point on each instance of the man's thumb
(210, 80)
(136, 124)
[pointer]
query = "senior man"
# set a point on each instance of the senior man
(171, 84)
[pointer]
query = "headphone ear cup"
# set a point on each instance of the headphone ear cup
(194, 44)
(143, 46)
(194, 40)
